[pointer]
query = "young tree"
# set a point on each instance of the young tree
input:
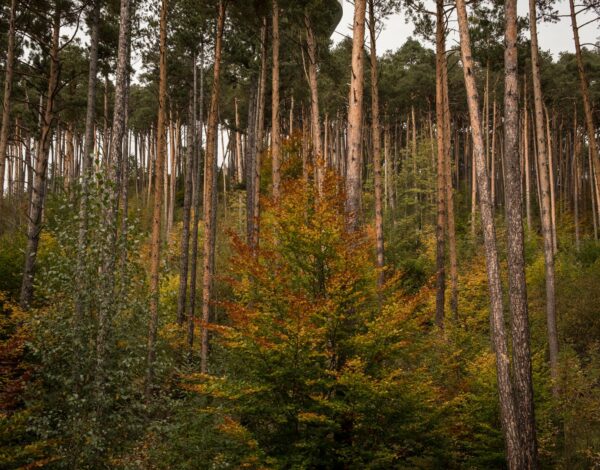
(355, 114)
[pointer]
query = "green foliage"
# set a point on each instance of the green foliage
(88, 408)
(11, 263)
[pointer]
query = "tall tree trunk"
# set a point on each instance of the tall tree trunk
(450, 195)
(8, 79)
(545, 203)
(239, 166)
(516, 259)
(198, 125)
(527, 165)
(187, 204)
(260, 131)
(315, 125)
(161, 150)
(34, 226)
(440, 52)
(376, 130)
(275, 126)
(209, 207)
(86, 160)
(585, 94)
(499, 340)
(354, 165)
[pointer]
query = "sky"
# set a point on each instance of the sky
(556, 37)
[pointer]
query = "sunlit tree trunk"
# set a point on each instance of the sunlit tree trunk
(499, 339)
(355, 118)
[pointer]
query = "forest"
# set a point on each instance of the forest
(228, 241)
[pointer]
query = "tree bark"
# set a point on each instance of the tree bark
(545, 202)
(198, 125)
(8, 79)
(315, 125)
(440, 51)
(585, 94)
(354, 165)
(161, 150)
(38, 197)
(187, 204)
(450, 196)
(499, 340)
(376, 130)
(516, 259)
(209, 208)
(275, 126)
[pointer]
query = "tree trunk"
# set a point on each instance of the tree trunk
(499, 340)
(450, 196)
(260, 130)
(34, 226)
(275, 129)
(209, 208)
(187, 204)
(354, 165)
(585, 94)
(376, 130)
(8, 79)
(545, 203)
(516, 259)
(315, 125)
(440, 52)
(161, 150)
(198, 125)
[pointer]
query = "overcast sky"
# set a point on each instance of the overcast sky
(556, 37)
